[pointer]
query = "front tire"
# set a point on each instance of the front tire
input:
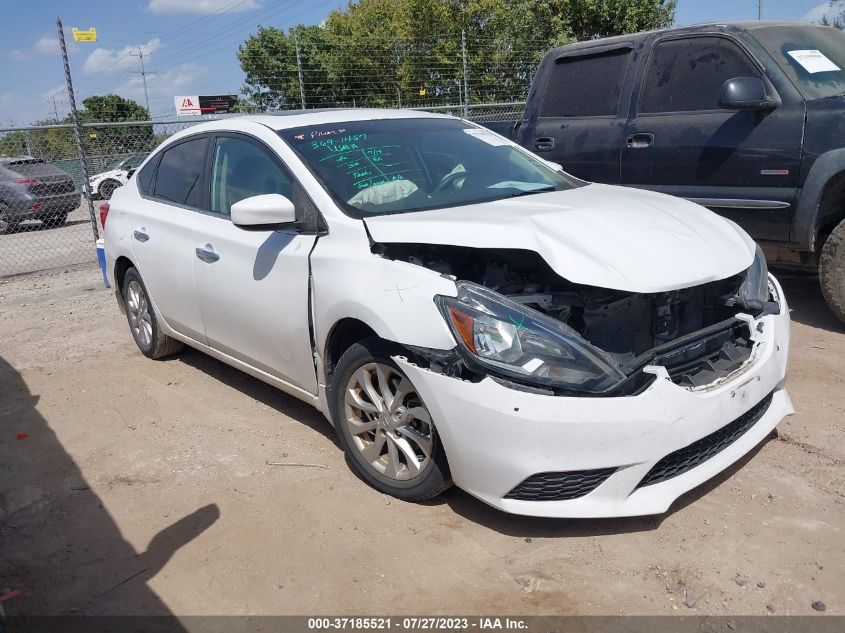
(143, 323)
(383, 425)
(832, 271)
(107, 188)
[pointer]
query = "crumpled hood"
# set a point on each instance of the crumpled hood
(597, 235)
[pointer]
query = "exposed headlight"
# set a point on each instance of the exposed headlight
(753, 294)
(522, 343)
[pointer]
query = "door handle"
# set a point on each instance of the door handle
(544, 143)
(642, 140)
(140, 236)
(207, 255)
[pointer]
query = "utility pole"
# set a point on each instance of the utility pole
(299, 68)
(759, 9)
(144, 78)
(77, 130)
(464, 58)
(55, 110)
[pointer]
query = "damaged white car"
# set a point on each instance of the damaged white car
(460, 310)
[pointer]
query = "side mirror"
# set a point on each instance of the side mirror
(745, 93)
(270, 208)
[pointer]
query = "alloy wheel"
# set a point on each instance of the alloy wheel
(138, 311)
(388, 423)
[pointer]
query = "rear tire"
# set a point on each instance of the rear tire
(383, 426)
(832, 271)
(143, 323)
(7, 224)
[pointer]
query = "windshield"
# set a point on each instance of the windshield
(812, 56)
(403, 165)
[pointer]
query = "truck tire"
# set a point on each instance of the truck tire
(832, 271)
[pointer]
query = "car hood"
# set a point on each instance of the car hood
(597, 235)
(111, 173)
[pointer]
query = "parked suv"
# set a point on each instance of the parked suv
(31, 189)
(746, 119)
(460, 310)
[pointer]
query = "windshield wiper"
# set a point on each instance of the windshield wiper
(530, 191)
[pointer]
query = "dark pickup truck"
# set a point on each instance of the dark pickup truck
(746, 119)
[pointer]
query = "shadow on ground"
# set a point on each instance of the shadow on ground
(59, 546)
(806, 301)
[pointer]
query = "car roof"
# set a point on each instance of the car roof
(297, 118)
(680, 30)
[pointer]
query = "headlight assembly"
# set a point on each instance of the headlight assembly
(753, 294)
(516, 341)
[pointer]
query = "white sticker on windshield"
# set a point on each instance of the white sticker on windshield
(487, 136)
(813, 61)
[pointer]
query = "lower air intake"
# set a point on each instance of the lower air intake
(560, 486)
(697, 453)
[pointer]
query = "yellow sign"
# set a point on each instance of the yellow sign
(422, 92)
(84, 36)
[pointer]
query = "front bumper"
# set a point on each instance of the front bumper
(496, 437)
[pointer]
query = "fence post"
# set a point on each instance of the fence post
(77, 130)
(299, 68)
(464, 59)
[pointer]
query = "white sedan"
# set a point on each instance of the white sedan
(459, 309)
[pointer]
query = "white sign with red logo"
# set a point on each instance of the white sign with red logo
(187, 105)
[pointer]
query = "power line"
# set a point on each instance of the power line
(143, 77)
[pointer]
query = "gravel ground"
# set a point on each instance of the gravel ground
(34, 247)
(143, 487)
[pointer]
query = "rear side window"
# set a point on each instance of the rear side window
(180, 172)
(687, 74)
(586, 86)
(145, 176)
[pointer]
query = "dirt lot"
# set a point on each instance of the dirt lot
(143, 487)
(35, 247)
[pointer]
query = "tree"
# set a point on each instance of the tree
(115, 139)
(838, 21)
(590, 19)
(409, 52)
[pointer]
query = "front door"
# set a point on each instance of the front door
(742, 164)
(253, 284)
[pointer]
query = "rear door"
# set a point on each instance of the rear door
(253, 283)
(581, 118)
(742, 164)
(162, 232)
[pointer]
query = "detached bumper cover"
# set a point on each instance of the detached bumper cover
(498, 438)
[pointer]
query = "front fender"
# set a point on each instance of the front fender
(805, 224)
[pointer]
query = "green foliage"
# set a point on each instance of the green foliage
(59, 143)
(13, 144)
(408, 52)
(603, 18)
(101, 141)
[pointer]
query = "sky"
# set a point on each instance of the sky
(189, 46)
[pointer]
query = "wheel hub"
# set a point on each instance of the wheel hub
(390, 427)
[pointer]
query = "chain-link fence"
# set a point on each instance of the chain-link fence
(46, 222)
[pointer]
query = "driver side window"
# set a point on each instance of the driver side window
(241, 169)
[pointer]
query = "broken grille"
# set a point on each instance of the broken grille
(698, 452)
